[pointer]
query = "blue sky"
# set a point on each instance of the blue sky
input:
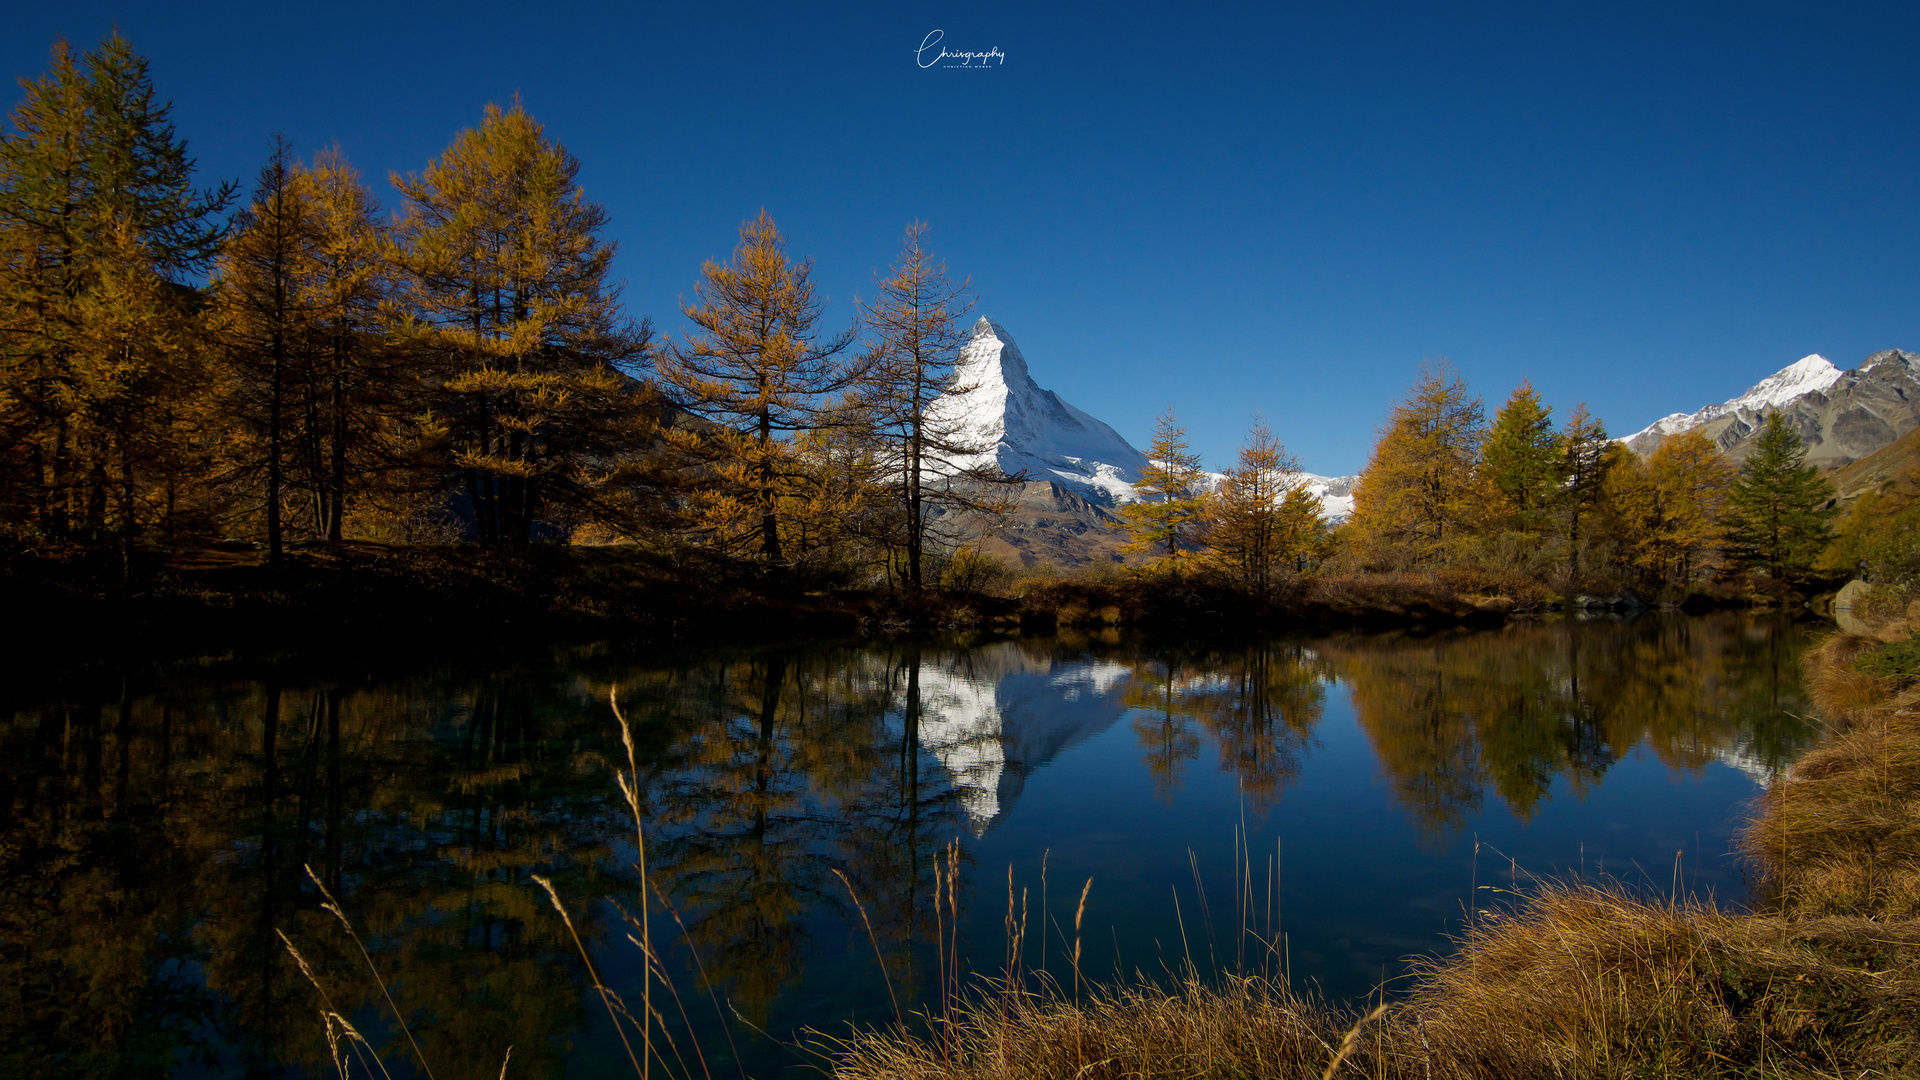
(1282, 208)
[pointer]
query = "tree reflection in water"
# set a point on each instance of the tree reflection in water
(1450, 714)
(156, 822)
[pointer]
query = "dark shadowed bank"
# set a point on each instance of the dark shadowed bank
(1572, 980)
(363, 594)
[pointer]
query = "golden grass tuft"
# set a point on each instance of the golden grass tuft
(1574, 982)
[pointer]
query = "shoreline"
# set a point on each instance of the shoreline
(363, 595)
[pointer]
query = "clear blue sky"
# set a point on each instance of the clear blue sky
(1275, 208)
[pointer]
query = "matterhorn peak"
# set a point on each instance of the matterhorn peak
(1033, 431)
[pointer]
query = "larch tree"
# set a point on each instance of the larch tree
(1779, 506)
(263, 317)
(94, 183)
(1172, 506)
(1879, 538)
(1416, 497)
(509, 295)
(912, 394)
(1524, 462)
(355, 408)
(1263, 524)
(1583, 443)
(1672, 507)
(758, 366)
(140, 370)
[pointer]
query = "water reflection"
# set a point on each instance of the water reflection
(156, 822)
(1516, 709)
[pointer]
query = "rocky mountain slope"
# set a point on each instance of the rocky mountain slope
(1841, 416)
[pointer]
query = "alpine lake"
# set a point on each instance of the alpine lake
(1318, 809)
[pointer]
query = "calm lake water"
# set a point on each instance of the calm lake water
(1349, 795)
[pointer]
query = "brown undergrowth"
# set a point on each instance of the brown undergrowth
(1573, 980)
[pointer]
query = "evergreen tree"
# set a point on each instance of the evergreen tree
(509, 290)
(1779, 507)
(757, 366)
(1417, 496)
(1172, 505)
(1584, 466)
(912, 396)
(1524, 462)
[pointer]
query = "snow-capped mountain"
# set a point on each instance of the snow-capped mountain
(1807, 375)
(1036, 432)
(1840, 416)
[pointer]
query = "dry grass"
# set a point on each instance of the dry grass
(1841, 835)
(1575, 982)
(1572, 981)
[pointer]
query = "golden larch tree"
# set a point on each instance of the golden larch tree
(510, 297)
(1172, 504)
(1418, 496)
(758, 366)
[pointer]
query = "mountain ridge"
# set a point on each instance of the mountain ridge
(1839, 416)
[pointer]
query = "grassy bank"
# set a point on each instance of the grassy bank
(1571, 981)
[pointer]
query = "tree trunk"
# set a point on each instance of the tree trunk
(339, 463)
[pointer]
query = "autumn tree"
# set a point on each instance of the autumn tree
(95, 186)
(357, 399)
(1672, 507)
(139, 375)
(262, 317)
(1583, 443)
(758, 366)
(1779, 506)
(912, 394)
(1263, 523)
(1172, 503)
(1416, 497)
(510, 298)
(1524, 462)
(1879, 538)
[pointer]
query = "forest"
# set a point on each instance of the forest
(292, 367)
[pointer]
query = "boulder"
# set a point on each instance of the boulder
(1854, 609)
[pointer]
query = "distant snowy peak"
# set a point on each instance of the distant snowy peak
(1808, 375)
(1031, 430)
(1035, 432)
(1336, 494)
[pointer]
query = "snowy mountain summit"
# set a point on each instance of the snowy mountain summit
(1839, 416)
(1808, 375)
(1036, 432)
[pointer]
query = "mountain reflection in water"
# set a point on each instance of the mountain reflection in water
(158, 819)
